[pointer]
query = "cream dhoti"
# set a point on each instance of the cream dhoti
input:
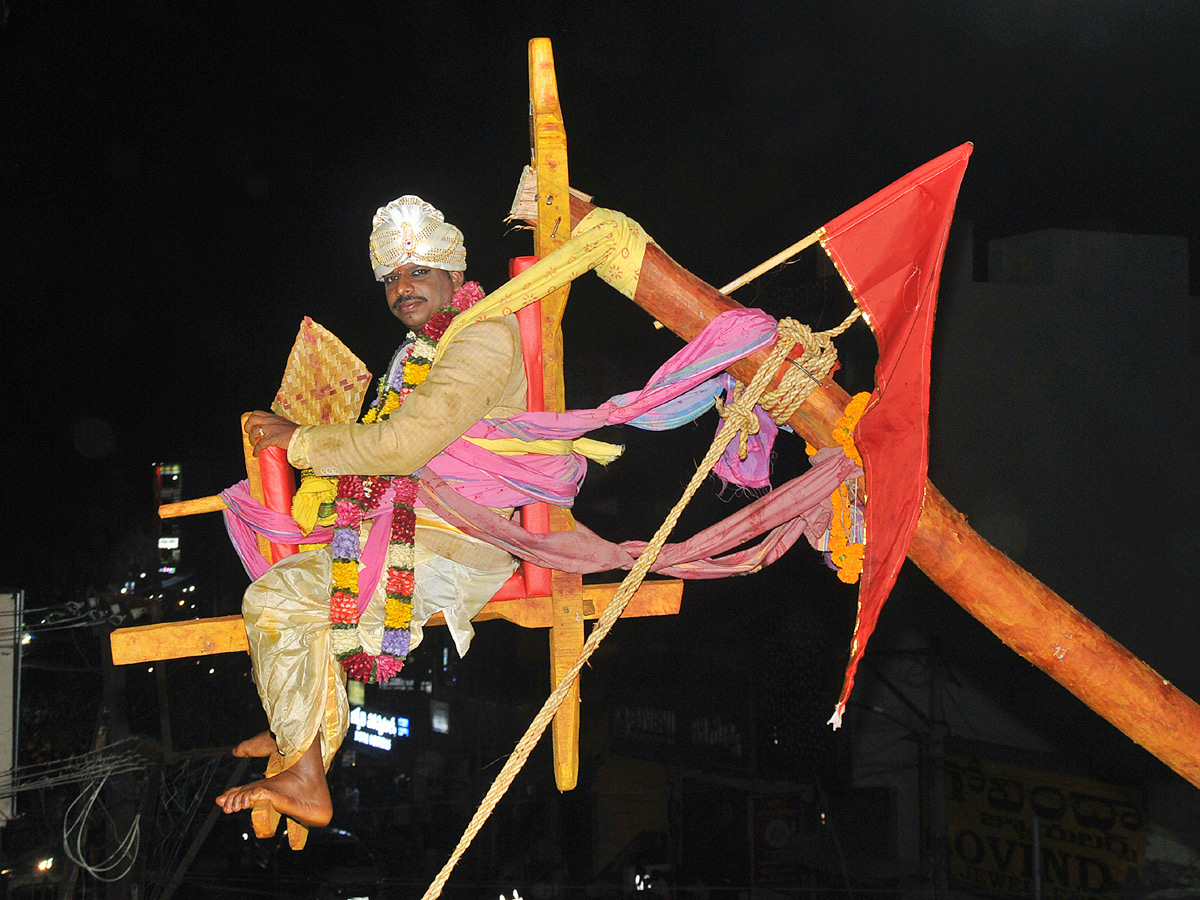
(299, 679)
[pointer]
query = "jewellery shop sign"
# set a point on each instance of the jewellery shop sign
(1092, 834)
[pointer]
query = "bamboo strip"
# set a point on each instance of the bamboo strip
(780, 257)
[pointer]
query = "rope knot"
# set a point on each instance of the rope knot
(804, 375)
(739, 417)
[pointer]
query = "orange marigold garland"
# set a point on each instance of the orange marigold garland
(846, 540)
(358, 495)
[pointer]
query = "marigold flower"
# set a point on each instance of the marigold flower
(414, 373)
(345, 574)
(850, 563)
(397, 614)
(390, 404)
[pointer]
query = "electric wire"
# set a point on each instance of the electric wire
(75, 829)
(116, 759)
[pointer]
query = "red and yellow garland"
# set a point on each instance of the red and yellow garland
(358, 495)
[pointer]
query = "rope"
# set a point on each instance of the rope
(738, 415)
(806, 374)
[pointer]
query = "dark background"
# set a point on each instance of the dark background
(182, 183)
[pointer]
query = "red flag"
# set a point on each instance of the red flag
(889, 252)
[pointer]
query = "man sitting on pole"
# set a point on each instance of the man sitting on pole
(306, 625)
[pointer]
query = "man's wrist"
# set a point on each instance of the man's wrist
(297, 448)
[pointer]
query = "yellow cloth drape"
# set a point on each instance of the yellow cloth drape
(609, 242)
(597, 451)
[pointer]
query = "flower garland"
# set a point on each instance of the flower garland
(844, 554)
(358, 495)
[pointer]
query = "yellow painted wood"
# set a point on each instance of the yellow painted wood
(178, 640)
(553, 228)
(227, 634)
(192, 507)
(566, 643)
(263, 816)
(297, 834)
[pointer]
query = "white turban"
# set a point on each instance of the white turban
(409, 230)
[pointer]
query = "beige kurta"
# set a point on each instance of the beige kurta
(478, 373)
(300, 682)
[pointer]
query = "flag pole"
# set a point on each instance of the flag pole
(1025, 614)
(780, 257)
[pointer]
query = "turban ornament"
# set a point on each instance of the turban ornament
(409, 230)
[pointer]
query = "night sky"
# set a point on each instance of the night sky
(182, 183)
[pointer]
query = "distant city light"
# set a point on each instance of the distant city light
(377, 730)
(26, 638)
(439, 716)
(46, 864)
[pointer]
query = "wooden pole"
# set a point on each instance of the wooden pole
(1025, 614)
(552, 229)
(780, 257)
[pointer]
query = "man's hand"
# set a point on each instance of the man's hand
(269, 430)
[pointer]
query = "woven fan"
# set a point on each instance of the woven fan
(324, 383)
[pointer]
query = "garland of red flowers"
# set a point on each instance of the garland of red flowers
(358, 495)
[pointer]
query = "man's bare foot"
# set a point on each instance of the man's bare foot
(262, 744)
(300, 793)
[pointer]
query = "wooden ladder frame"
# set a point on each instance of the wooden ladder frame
(533, 597)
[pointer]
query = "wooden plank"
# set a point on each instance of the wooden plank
(227, 634)
(566, 643)
(176, 640)
(192, 507)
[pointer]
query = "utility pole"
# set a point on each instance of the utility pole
(936, 755)
(123, 805)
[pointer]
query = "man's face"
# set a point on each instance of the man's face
(415, 292)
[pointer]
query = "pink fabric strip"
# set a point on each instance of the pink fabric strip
(244, 516)
(799, 507)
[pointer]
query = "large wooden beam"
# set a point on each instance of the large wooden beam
(1025, 614)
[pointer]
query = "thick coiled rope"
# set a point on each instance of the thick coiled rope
(806, 374)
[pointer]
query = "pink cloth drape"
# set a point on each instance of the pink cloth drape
(799, 507)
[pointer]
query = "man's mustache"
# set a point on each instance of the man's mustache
(408, 299)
